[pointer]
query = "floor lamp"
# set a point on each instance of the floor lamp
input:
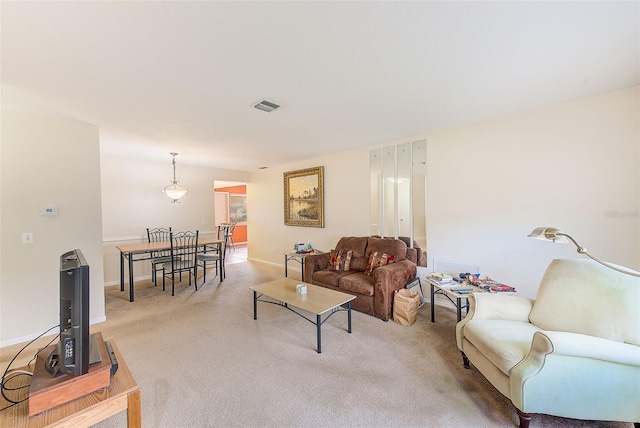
(556, 235)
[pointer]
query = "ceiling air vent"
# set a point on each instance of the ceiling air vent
(267, 106)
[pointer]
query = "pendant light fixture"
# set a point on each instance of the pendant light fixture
(174, 190)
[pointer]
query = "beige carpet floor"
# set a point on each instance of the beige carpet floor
(201, 360)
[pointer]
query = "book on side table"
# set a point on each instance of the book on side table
(492, 286)
(462, 289)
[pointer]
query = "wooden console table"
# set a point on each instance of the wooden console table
(123, 393)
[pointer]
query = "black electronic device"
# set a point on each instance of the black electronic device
(72, 354)
(112, 357)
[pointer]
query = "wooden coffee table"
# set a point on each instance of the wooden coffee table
(319, 301)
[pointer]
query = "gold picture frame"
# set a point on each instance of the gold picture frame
(304, 197)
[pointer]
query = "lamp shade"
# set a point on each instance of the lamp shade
(548, 234)
(175, 191)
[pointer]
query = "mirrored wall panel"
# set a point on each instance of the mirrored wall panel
(404, 189)
(419, 192)
(389, 204)
(375, 168)
(398, 191)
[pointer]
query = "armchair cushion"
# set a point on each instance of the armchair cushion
(566, 302)
(503, 343)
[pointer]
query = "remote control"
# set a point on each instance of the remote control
(112, 357)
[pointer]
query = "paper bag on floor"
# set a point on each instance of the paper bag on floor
(405, 306)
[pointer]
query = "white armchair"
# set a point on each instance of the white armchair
(573, 352)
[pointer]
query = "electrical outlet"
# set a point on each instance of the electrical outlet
(273, 250)
(27, 238)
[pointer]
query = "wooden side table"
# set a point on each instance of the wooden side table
(123, 393)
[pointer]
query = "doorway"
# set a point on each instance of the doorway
(230, 204)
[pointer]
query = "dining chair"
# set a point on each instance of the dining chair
(158, 234)
(229, 240)
(225, 232)
(184, 248)
(216, 256)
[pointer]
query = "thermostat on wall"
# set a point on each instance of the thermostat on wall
(49, 210)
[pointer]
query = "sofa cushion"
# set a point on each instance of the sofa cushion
(376, 260)
(359, 264)
(505, 343)
(340, 260)
(582, 296)
(358, 283)
(347, 260)
(354, 243)
(334, 260)
(393, 247)
(329, 277)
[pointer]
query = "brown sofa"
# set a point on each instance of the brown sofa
(374, 293)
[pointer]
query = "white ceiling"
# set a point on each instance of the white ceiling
(183, 76)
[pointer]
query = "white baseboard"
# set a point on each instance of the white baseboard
(126, 284)
(54, 332)
(266, 262)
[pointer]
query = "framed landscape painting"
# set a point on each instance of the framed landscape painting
(304, 197)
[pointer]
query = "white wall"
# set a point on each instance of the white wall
(568, 166)
(346, 206)
(132, 200)
(574, 166)
(54, 161)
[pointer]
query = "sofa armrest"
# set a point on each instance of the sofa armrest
(313, 263)
(386, 280)
(564, 370)
(580, 345)
(491, 306)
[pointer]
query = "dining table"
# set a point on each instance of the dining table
(144, 251)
